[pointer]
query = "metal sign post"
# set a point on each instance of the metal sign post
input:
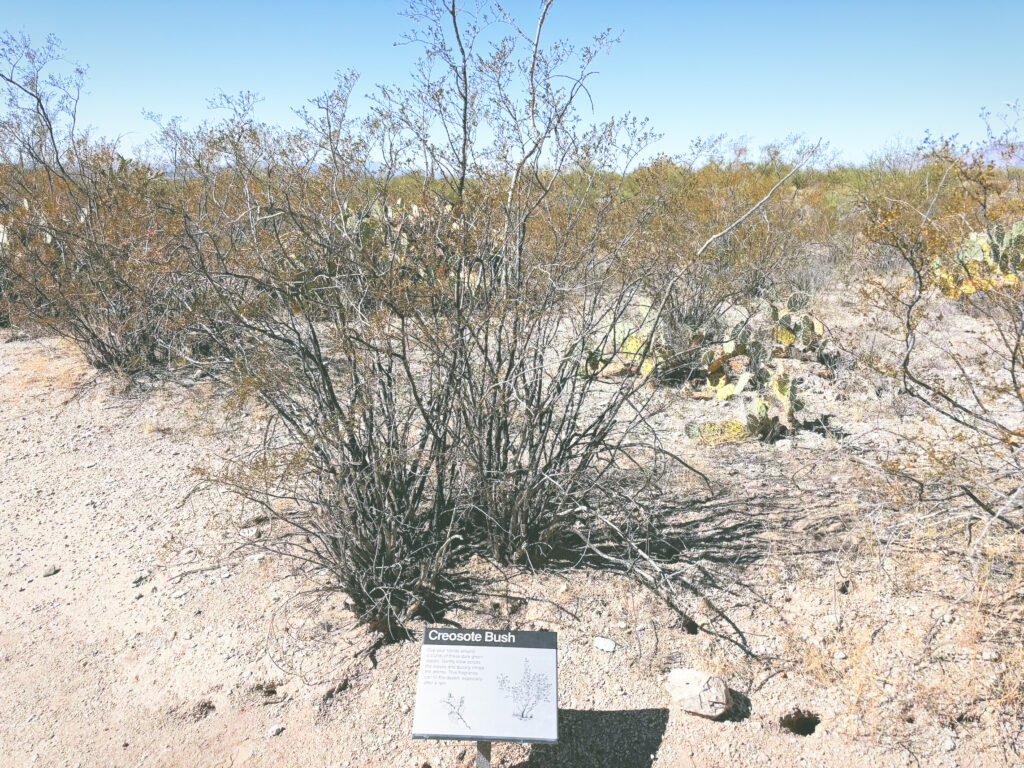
(483, 754)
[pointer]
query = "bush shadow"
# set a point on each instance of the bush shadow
(623, 738)
(741, 707)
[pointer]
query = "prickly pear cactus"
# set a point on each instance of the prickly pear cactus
(983, 264)
(717, 432)
(633, 355)
(795, 331)
(762, 423)
(732, 365)
(799, 301)
(723, 388)
(784, 337)
(1011, 250)
(632, 345)
(772, 413)
(648, 366)
(783, 390)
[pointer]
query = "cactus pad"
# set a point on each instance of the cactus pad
(718, 432)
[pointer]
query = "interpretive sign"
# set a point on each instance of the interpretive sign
(487, 685)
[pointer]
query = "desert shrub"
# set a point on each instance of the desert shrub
(305, 316)
(951, 306)
(422, 341)
(88, 253)
(415, 299)
(956, 318)
(543, 221)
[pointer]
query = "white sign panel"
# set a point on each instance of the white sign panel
(487, 685)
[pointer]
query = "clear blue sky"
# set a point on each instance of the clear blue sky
(860, 74)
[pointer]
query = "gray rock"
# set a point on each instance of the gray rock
(51, 571)
(275, 730)
(604, 644)
(699, 693)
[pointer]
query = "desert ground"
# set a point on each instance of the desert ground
(140, 626)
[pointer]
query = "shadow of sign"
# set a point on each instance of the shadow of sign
(623, 738)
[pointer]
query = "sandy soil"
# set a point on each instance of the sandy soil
(160, 641)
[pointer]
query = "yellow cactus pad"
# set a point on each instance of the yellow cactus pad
(784, 336)
(718, 432)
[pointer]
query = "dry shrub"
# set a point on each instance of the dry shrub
(957, 300)
(422, 342)
(417, 298)
(87, 253)
(950, 217)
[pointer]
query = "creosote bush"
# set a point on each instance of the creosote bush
(419, 339)
(88, 245)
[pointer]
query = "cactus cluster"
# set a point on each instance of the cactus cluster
(768, 418)
(731, 367)
(795, 331)
(625, 353)
(791, 333)
(985, 262)
(744, 367)
(771, 415)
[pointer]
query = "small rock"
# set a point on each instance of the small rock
(604, 644)
(699, 693)
(989, 655)
(275, 730)
(53, 570)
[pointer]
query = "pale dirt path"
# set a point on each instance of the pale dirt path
(95, 667)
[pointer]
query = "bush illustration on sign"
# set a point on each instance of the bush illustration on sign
(455, 708)
(527, 693)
